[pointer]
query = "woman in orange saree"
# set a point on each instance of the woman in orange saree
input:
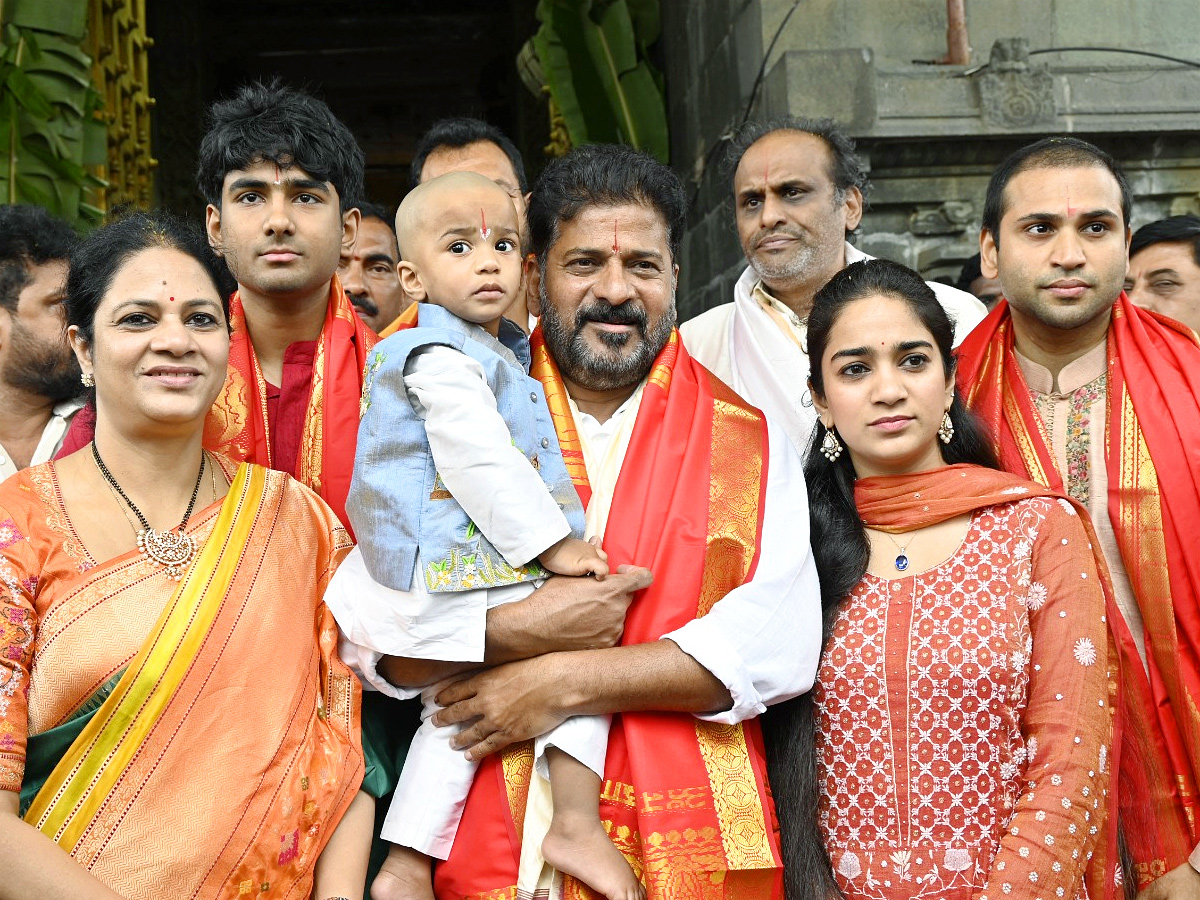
(174, 718)
(964, 710)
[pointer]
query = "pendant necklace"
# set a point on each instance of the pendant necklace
(901, 557)
(173, 548)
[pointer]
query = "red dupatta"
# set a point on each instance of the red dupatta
(1152, 430)
(686, 801)
(237, 424)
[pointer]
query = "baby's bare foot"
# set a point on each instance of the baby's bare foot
(404, 875)
(578, 846)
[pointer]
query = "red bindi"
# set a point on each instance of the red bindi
(616, 243)
(172, 299)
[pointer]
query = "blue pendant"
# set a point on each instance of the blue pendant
(901, 562)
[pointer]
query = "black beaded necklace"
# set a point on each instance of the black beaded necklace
(173, 549)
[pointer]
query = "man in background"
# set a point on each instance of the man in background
(368, 270)
(472, 145)
(1164, 269)
(39, 377)
(798, 191)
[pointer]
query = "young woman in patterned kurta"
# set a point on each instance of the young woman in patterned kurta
(963, 715)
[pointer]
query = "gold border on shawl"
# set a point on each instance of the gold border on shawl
(736, 796)
(735, 485)
(543, 369)
(734, 489)
(517, 765)
(1141, 518)
(1025, 443)
(310, 470)
(82, 781)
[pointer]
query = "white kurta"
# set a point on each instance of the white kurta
(761, 355)
(503, 494)
(762, 641)
(51, 439)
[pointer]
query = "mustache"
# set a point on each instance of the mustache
(364, 304)
(779, 231)
(625, 314)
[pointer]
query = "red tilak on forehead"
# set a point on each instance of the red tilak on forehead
(1068, 203)
(277, 174)
(616, 243)
(484, 231)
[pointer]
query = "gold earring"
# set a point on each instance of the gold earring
(945, 431)
(89, 381)
(831, 447)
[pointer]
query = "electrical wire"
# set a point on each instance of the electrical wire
(728, 134)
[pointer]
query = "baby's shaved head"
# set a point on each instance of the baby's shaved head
(456, 192)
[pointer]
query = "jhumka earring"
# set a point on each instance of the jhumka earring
(831, 447)
(946, 429)
(88, 379)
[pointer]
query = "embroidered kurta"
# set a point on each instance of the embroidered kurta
(963, 733)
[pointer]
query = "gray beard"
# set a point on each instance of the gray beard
(784, 269)
(582, 365)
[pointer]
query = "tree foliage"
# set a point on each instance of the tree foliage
(49, 129)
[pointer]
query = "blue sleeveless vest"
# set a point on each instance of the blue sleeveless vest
(398, 505)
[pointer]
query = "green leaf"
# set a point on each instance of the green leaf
(65, 17)
(28, 95)
(39, 190)
(646, 105)
(647, 21)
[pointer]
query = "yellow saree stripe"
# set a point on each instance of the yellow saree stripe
(82, 780)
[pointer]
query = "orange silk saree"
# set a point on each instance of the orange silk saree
(214, 732)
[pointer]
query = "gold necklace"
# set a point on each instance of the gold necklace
(172, 548)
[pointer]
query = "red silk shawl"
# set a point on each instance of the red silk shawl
(685, 801)
(1153, 464)
(237, 424)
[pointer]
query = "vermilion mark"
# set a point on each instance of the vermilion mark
(1068, 204)
(616, 243)
(484, 231)
(278, 176)
(172, 299)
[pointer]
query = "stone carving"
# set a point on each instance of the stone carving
(952, 217)
(1013, 94)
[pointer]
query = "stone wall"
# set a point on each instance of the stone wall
(931, 133)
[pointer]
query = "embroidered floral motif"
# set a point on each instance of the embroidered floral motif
(291, 847)
(1085, 652)
(9, 534)
(1036, 598)
(369, 369)
(1079, 432)
(16, 636)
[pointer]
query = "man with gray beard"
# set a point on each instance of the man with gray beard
(798, 191)
(701, 506)
(39, 377)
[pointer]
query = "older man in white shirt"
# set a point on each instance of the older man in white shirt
(798, 191)
(688, 485)
(39, 377)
